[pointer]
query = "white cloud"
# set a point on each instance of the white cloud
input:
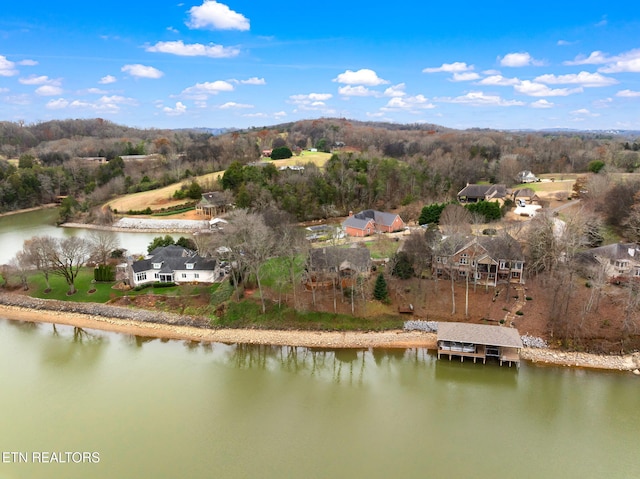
(603, 103)
(584, 79)
(4, 90)
(194, 49)
(58, 104)
(39, 80)
(628, 94)
(96, 91)
(456, 67)
(21, 99)
(179, 109)
(28, 63)
(530, 88)
(172, 30)
(233, 105)
(595, 58)
(48, 90)
(361, 77)
(203, 90)
(105, 104)
(254, 81)
(216, 16)
(564, 43)
(395, 90)
(478, 98)
(625, 62)
(542, 104)
(312, 101)
(142, 71)
(418, 102)
(7, 67)
(279, 114)
(468, 76)
(584, 112)
(357, 90)
(520, 59)
(107, 79)
(311, 97)
(499, 80)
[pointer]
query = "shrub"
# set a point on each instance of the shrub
(281, 153)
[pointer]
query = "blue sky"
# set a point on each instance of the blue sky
(162, 64)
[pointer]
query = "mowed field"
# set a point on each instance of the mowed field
(163, 197)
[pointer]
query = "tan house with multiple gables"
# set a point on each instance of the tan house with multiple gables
(619, 261)
(368, 222)
(486, 260)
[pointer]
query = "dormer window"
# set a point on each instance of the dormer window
(157, 265)
(189, 265)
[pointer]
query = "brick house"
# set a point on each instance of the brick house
(368, 222)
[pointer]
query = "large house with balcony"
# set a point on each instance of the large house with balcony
(619, 261)
(175, 264)
(486, 260)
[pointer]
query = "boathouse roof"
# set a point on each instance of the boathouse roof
(479, 334)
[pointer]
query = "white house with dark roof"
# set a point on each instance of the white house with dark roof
(368, 222)
(175, 264)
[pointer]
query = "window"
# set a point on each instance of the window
(156, 276)
(517, 265)
(504, 264)
(189, 265)
(197, 276)
(157, 265)
(515, 274)
(184, 275)
(464, 258)
(141, 276)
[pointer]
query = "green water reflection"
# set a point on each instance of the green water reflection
(168, 409)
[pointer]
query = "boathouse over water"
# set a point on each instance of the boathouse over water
(479, 341)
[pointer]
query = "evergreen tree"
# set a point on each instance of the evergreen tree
(380, 291)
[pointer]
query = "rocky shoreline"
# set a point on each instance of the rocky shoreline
(173, 326)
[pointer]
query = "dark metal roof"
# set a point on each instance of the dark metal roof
(174, 258)
(483, 191)
(340, 258)
(479, 334)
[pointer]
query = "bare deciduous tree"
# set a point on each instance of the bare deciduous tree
(455, 220)
(66, 259)
(38, 249)
(101, 244)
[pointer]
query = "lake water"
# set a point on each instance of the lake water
(170, 409)
(14, 229)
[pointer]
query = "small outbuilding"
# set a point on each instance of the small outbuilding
(479, 341)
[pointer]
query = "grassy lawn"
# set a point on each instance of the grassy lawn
(382, 247)
(101, 292)
(249, 314)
